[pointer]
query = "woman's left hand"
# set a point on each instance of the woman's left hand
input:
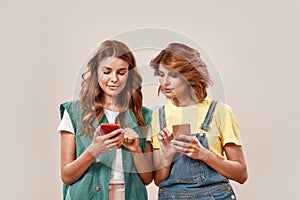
(190, 146)
(131, 140)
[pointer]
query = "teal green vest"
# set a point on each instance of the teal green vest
(95, 181)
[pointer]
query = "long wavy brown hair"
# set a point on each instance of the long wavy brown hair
(186, 61)
(91, 95)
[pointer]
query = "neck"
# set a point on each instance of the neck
(110, 103)
(184, 102)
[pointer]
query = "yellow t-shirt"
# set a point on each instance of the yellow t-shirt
(223, 129)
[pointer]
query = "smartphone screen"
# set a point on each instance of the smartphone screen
(181, 129)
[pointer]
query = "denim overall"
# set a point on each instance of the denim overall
(193, 179)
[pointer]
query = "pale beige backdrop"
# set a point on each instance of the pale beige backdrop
(254, 45)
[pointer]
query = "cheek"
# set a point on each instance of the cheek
(123, 80)
(175, 82)
(160, 80)
(180, 83)
(183, 88)
(100, 76)
(102, 80)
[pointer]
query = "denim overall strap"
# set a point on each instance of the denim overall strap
(208, 117)
(162, 117)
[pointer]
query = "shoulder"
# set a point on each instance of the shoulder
(167, 107)
(147, 114)
(146, 110)
(75, 113)
(75, 102)
(70, 106)
(224, 112)
(220, 106)
(223, 108)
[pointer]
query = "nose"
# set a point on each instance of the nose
(114, 77)
(165, 80)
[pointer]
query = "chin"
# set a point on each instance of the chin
(169, 96)
(114, 93)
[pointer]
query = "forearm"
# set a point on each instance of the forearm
(162, 166)
(72, 171)
(231, 169)
(144, 165)
(161, 174)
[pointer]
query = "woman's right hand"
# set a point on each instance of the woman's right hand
(164, 138)
(103, 143)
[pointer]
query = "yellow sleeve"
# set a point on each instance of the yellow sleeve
(154, 127)
(230, 131)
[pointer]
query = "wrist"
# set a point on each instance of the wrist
(137, 150)
(165, 163)
(92, 150)
(205, 156)
(168, 155)
(166, 160)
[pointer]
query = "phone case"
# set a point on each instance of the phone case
(179, 129)
(107, 128)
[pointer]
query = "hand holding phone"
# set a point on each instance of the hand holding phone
(181, 129)
(108, 128)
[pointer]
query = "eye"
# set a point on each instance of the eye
(174, 75)
(122, 72)
(106, 71)
(161, 74)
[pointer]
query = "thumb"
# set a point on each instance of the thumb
(97, 132)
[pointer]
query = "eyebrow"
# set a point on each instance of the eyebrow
(124, 68)
(120, 69)
(111, 67)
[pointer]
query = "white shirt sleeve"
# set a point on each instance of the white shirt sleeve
(65, 123)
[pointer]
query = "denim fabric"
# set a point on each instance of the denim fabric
(193, 179)
(214, 192)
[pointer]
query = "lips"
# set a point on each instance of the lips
(167, 90)
(113, 87)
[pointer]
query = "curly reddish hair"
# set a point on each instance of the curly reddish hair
(186, 61)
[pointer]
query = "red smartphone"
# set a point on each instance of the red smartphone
(181, 129)
(107, 128)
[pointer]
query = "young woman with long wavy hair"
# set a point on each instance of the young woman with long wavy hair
(113, 165)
